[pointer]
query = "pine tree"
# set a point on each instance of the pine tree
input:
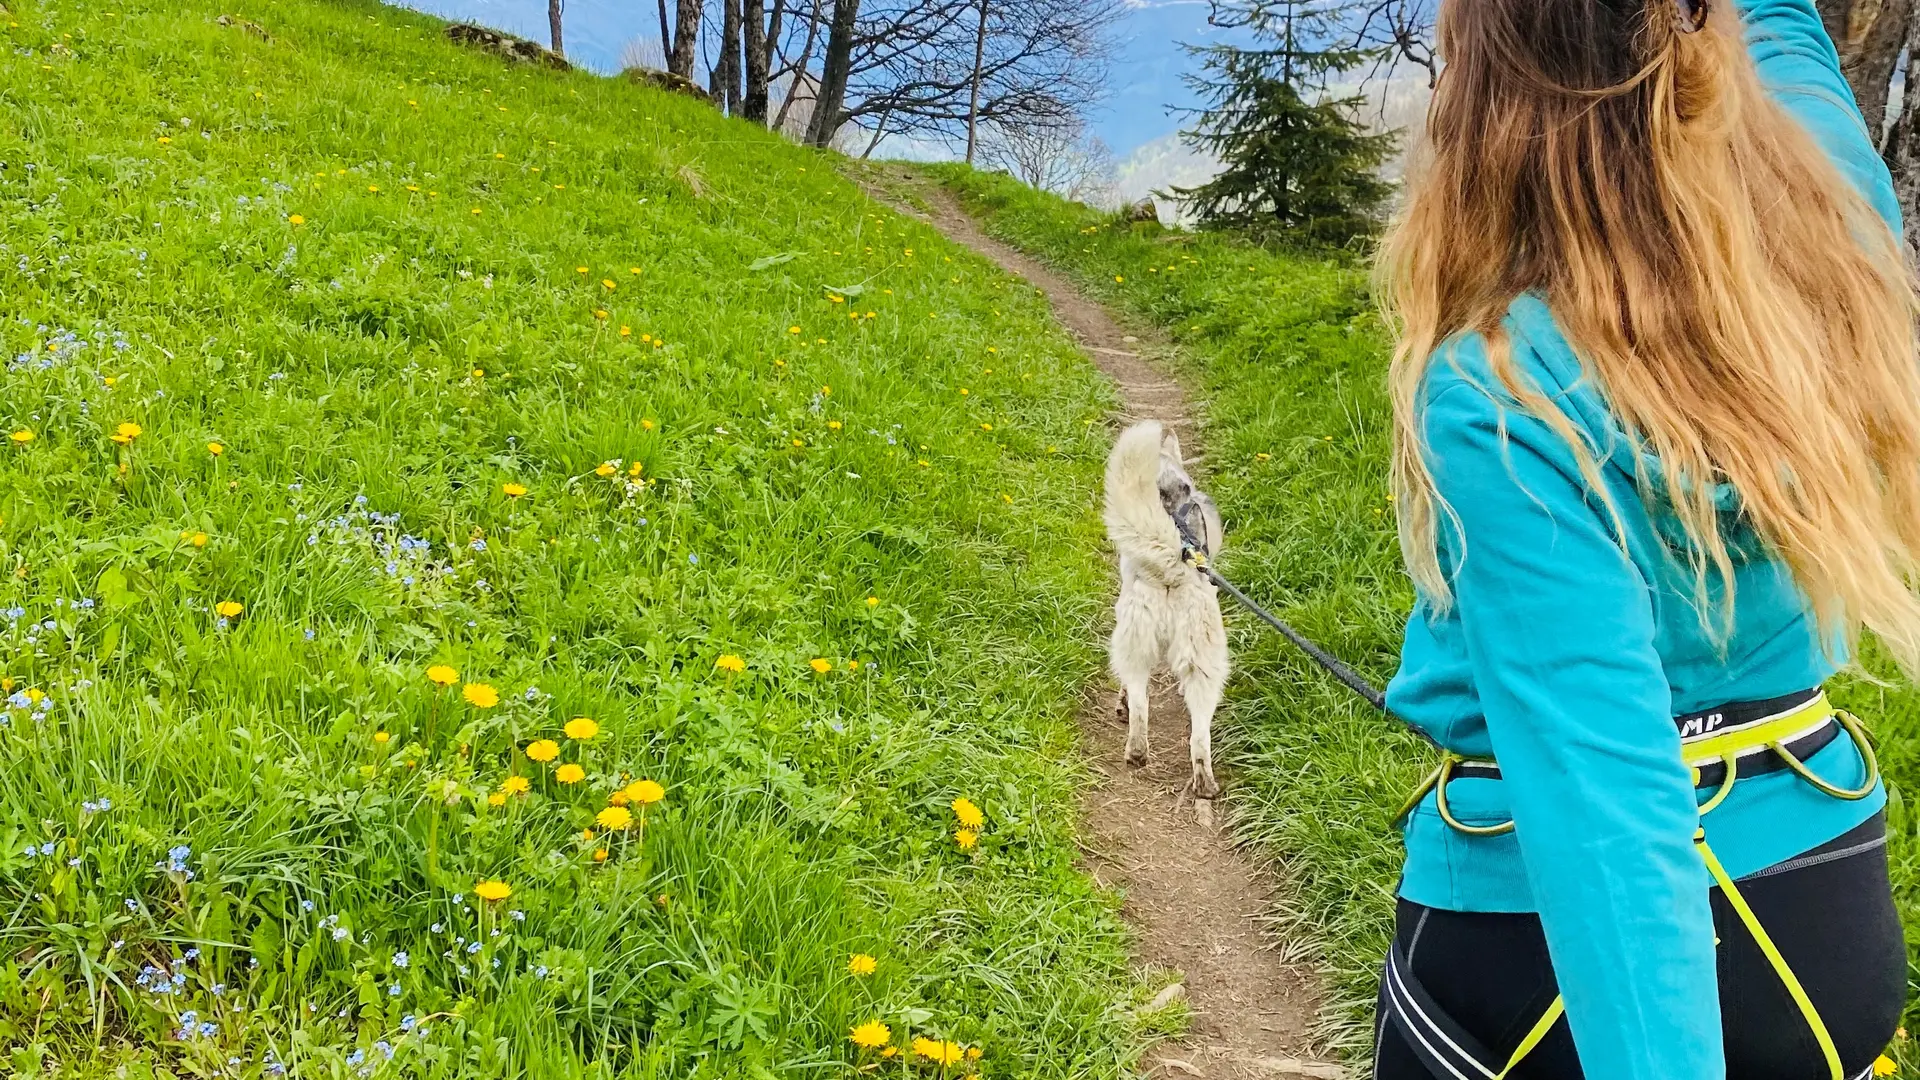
(1298, 162)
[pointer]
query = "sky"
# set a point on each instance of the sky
(1139, 115)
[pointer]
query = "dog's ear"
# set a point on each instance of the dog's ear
(1170, 445)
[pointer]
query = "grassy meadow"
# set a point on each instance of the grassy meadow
(1287, 353)
(507, 574)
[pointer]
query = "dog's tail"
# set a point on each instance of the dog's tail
(1137, 523)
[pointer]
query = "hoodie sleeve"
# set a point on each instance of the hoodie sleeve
(1559, 628)
(1801, 69)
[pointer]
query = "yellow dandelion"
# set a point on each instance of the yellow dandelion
(515, 785)
(968, 813)
(600, 313)
(618, 798)
(581, 729)
(442, 675)
(475, 211)
(513, 491)
(480, 694)
(21, 437)
(967, 839)
(731, 663)
(614, 817)
(381, 737)
(543, 750)
(570, 773)
(645, 425)
(645, 792)
(600, 855)
(493, 890)
(228, 609)
(498, 798)
(871, 1035)
(626, 331)
(873, 601)
(793, 329)
(862, 965)
(833, 425)
(605, 468)
(296, 219)
(1884, 1066)
(198, 539)
(126, 433)
(939, 1051)
(974, 1053)
(820, 665)
(607, 282)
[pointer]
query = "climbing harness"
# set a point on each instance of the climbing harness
(1719, 745)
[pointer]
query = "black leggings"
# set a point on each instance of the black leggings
(1830, 912)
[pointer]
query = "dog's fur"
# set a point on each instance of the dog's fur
(1167, 612)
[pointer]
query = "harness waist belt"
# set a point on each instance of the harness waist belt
(1708, 735)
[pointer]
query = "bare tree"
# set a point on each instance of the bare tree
(918, 62)
(726, 71)
(553, 24)
(830, 98)
(1062, 158)
(666, 29)
(686, 38)
(753, 105)
(973, 96)
(798, 69)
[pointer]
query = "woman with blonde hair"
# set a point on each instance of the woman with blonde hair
(1658, 466)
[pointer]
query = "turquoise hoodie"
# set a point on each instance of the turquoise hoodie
(1566, 662)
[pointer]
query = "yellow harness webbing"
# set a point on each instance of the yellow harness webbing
(1727, 748)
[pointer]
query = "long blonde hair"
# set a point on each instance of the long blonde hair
(1745, 313)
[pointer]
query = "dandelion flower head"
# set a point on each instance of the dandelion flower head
(872, 1034)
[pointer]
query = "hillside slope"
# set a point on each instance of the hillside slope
(1291, 356)
(508, 574)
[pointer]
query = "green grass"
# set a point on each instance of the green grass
(391, 278)
(1289, 356)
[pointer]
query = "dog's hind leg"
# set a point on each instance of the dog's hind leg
(1135, 688)
(1202, 691)
(1134, 652)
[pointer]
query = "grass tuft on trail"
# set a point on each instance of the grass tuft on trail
(1288, 353)
(374, 410)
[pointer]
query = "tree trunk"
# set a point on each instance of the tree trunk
(833, 73)
(686, 36)
(753, 22)
(973, 101)
(800, 70)
(879, 132)
(666, 32)
(1870, 35)
(726, 71)
(553, 24)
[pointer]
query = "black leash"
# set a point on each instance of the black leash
(1194, 552)
(1351, 678)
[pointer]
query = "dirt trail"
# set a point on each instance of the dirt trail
(1196, 903)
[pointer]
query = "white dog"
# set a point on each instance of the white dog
(1167, 612)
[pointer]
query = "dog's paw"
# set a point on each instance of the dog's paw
(1203, 785)
(1136, 751)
